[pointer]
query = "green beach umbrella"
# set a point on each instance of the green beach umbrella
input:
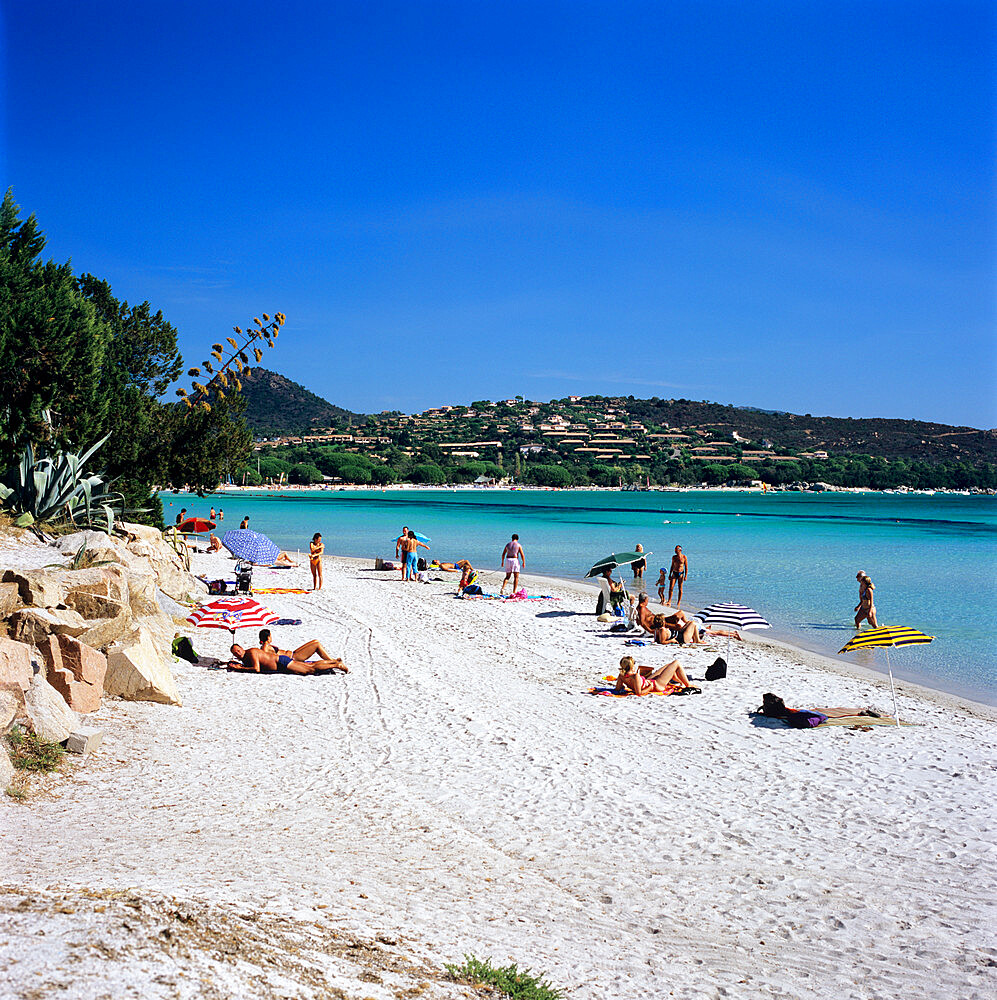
(615, 559)
(886, 636)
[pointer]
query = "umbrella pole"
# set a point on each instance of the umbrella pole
(896, 711)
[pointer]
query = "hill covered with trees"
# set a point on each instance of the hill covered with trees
(275, 406)
(610, 441)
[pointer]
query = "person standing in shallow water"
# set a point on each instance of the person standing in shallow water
(865, 609)
(245, 522)
(513, 560)
(677, 573)
(638, 567)
(315, 550)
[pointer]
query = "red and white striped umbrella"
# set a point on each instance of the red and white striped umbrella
(232, 613)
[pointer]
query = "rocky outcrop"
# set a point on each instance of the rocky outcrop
(142, 549)
(137, 671)
(75, 670)
(50, 717)
(6, 768)
(35, 625)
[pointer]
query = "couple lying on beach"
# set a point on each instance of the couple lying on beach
(676, 627)
(268, 659)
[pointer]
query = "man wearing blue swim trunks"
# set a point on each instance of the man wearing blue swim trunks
(410, 547)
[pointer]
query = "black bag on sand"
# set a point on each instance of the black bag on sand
(421, 565)
(717, 669)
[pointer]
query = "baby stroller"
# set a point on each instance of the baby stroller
(244, 578)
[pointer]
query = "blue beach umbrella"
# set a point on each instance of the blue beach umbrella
(425, 539)
(250, 546)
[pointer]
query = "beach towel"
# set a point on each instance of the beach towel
(610, 692)
(279, 590)
(288, 621)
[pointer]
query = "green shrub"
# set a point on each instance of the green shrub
(510, 981)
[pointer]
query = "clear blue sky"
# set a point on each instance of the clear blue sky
(787, 205)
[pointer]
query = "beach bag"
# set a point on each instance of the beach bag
(619, 627)
(183, 649)
(802, 718)
(717, 670)
(422, 565)
(388, 565)
(473, 589)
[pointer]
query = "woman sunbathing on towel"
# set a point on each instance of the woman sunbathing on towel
(285, 661)
(283, 561)
(644, 680)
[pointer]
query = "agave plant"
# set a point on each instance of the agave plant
(52, 486)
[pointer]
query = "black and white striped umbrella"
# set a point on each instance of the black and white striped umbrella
(728, 615)
(731, 616)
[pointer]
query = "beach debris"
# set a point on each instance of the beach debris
(51, 718)
(75, 670)
(85, 740)
(137, 671)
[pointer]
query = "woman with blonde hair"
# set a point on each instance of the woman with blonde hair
(865, 608)
(644, 680)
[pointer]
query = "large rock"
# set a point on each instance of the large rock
(50, 717)
(142, 596)
(40, 588)
(10, 599)
(101, 581)
(92, 606)
(137, 671)
(6, 768)
(172, 576)
(103, 631)
(139, 532)
(10, 709)
(35, 625)
(15, 666)
(75, 670)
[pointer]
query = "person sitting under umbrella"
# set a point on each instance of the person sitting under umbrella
(271, 660)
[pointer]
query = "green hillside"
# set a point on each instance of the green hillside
(277, 406)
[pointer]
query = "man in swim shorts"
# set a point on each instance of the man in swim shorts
(513, 560)
(271, 660)
(410, 546)
(677, 573)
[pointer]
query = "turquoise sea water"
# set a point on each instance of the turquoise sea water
(791, 556)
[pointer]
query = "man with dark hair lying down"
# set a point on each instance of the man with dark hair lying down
(273, 661)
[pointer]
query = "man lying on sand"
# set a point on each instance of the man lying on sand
(644, 680)
(284, 661)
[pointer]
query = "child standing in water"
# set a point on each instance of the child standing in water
(315, 550)
(662, 580)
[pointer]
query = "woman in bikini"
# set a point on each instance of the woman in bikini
(644, 680)
(315, 549)
(865, 609)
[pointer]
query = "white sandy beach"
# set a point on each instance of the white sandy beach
(460, 791)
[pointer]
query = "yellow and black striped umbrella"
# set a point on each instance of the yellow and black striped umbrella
(887, 635)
